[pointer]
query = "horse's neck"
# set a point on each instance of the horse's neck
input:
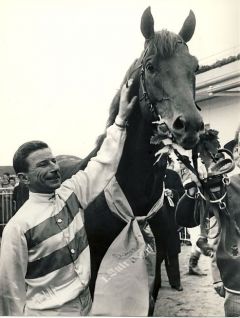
(139, 179)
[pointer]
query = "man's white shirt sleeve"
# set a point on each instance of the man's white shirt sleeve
(88, 183)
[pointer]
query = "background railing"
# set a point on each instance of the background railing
(184, 235)
(6, 207)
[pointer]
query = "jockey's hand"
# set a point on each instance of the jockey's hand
(219, 288)
(125, 106)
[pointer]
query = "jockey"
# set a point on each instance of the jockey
(45, 259)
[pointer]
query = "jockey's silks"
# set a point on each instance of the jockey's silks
(45, 260)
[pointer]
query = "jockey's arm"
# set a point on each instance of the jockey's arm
(13, 268)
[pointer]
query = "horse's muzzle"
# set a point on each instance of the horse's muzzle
(187, 130)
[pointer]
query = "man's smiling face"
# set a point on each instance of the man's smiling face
(43, 171)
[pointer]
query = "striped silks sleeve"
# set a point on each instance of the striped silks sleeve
(13, 267)
(88, 183)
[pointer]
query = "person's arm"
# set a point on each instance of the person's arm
(13, 267)
(216, 276)
(179, 186)
(217, 280)
(91, 181)
(185, 215)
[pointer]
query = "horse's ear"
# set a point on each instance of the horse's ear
(188, 27)
(147, 24)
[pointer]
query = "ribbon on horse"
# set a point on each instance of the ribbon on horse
(126, 275)
(168, 194)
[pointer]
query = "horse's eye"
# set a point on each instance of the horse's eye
(150, 67)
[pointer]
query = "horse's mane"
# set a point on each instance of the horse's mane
(133, 72)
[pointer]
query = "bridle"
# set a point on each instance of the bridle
(145, 95)
(151, 106)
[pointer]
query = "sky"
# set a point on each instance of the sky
(62, 61)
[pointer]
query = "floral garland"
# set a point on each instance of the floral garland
(206, 148)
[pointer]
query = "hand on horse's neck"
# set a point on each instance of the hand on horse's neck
(139, 179)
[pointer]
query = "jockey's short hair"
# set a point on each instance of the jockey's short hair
(20, 163)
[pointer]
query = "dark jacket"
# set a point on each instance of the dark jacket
(20, 195)
(228, 250)
(163, 224)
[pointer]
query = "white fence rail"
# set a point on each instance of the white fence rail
(184, 236)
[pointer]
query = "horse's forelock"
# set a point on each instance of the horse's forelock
(165, 42)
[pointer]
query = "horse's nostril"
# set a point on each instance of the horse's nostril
(179, 124)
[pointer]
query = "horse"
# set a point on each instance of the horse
(164, 81)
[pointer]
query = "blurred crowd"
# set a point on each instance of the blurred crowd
(8, 181)
(18, 186)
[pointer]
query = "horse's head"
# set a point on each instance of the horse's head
(167, 80)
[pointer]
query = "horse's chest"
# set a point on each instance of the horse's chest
(101, 224)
